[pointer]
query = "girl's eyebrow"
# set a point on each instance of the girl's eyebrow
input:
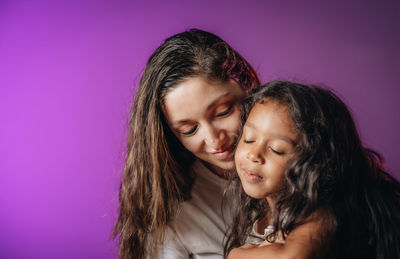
(276, 135)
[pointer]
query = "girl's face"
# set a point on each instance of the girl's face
(205, 116)
(265, 148)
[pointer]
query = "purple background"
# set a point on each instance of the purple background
(68, 73)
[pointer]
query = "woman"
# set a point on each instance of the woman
(183, 128)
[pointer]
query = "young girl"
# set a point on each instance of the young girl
(315, 191)
(184, 125)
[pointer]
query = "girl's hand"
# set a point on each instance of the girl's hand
(256, 251)
(235, 253)
(246, 246)
(303, 242)
(265, 243)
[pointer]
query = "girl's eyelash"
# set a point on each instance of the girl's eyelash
(248, 141)
(276, 152)
(189, 132)
(226, 111)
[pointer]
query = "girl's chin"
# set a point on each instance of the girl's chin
(255, 194)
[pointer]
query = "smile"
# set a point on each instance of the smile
(224, 153)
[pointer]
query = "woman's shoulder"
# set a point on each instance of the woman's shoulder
(201, 221)
(207, 195)
(199, 226)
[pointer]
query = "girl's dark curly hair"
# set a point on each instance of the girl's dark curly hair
(331, 170)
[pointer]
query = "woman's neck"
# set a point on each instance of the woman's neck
(224, 174)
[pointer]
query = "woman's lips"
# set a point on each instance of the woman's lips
(223, 153)
(251, 176)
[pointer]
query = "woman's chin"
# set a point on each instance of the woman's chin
(221, 167)
(225, 165)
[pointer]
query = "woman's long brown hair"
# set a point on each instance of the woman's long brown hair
(156, 177)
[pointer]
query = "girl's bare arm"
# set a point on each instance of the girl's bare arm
(305, 241)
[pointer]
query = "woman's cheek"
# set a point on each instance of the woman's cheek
(191, 143)
(239, 153)
(234, 122)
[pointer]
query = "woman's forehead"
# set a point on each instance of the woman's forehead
(196, 96)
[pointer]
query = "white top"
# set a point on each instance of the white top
(261, 239)
(199, 228)
(257, 238)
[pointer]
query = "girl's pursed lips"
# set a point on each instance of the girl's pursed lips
(251, 175)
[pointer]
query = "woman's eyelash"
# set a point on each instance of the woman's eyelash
(226, 111)
(189, 132)
(192, 130)
(248, 141)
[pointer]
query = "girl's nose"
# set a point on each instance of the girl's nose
(255, 155)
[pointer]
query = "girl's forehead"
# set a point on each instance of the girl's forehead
(270, 99)
(269, 108)
(272, 117)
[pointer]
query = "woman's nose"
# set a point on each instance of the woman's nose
(255, 155)
(213, 137)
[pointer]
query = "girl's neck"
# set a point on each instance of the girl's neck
(271, 203)
(266, 220)
(262, 223)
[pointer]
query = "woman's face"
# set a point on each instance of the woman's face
(205, 116)
(265, 148)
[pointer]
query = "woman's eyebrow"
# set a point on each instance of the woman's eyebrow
(179, 123)
(216, 100)
(212, 104)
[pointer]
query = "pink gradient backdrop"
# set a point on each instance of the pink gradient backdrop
(68, 72)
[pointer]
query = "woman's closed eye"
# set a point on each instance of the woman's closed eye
(190, 131)
(226, 111)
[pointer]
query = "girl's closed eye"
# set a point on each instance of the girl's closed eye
(248, 136)
(276, 151)
(248, 141)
